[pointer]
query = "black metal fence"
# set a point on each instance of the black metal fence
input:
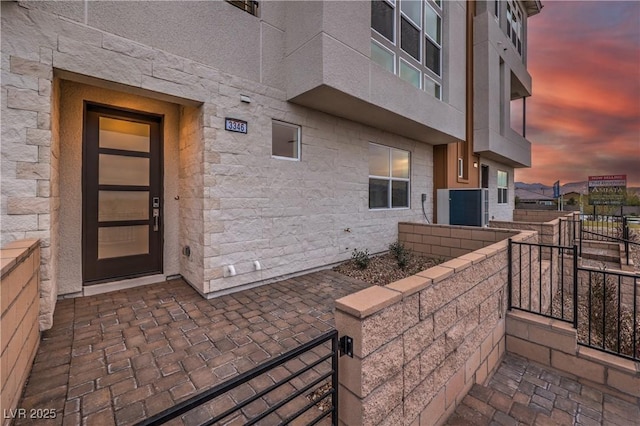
(538, 274)
(602, 305)
(304, 390)
(608, 316)
(603, 228)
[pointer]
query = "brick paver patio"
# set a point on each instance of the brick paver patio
(120, 357)
(525, 393)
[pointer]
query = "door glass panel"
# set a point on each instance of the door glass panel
(121, 241)
(123, 170)
(122, 134)
(123, 205)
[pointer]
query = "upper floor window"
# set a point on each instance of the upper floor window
(514, 24)
(389, 177)
(250, 6)
(503, 187)
(407, 40)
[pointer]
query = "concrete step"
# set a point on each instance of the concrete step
(601, 254)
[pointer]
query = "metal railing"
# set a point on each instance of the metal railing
(602, 305)
(609, 308)
(315, 386)
(538, 274)
(597, 228)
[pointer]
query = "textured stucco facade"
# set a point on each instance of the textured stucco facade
(226, 197)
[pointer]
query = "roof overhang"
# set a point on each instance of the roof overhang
(532, 7)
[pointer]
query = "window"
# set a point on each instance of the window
(249, 6)
(496, 9)
(389, 177)
(460, 167)
(514, 24)
(407, 41)
(285, 140)
(503, 184)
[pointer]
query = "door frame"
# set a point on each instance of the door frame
(92, 272)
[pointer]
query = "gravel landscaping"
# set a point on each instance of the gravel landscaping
(383, 269)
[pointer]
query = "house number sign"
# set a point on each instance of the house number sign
(235, 125)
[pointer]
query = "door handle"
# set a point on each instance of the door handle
(156, 218)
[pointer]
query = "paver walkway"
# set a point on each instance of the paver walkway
(526, 393)
(120, 357)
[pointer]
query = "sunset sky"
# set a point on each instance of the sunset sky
(584, 116)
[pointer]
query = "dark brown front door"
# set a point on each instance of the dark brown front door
(122, 194)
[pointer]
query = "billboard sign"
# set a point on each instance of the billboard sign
(607, 190)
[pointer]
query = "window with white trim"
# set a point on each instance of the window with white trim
(389, 177)
(503, 187)
(514, 24)
(407, 41)
(285, 140)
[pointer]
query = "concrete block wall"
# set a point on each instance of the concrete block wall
(554, 343)
(447, 241)
(20, 335)
(421, 343)
(548, 232)
(526, 215)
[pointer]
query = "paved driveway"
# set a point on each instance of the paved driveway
(120, 357)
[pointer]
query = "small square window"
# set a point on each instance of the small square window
(285, 140)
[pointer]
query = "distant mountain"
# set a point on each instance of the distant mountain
(531, 186)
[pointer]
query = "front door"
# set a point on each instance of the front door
(122, 194)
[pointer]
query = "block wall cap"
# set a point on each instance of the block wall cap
(436, 273)
(624, 365)
(29, 243)
(473, 257)
(529, 318)
(410, 285)
(15, 252)
(367, 302)
(457, 264)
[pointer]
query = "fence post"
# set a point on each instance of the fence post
(334, 378)
(575, 286)
(510, 273)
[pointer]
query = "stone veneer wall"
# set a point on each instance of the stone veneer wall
(20, 335)
(421, 343)
(554, 343)
(249, 208)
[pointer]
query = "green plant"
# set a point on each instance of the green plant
(401, 253)
(361, 258)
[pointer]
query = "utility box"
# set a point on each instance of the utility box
(469, 207)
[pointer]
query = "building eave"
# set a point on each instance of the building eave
(533, 7)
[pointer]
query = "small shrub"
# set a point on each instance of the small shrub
(401, 253)
(361, 258)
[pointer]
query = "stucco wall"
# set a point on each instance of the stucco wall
(72, 99)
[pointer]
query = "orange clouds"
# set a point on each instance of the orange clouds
(584, 116)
